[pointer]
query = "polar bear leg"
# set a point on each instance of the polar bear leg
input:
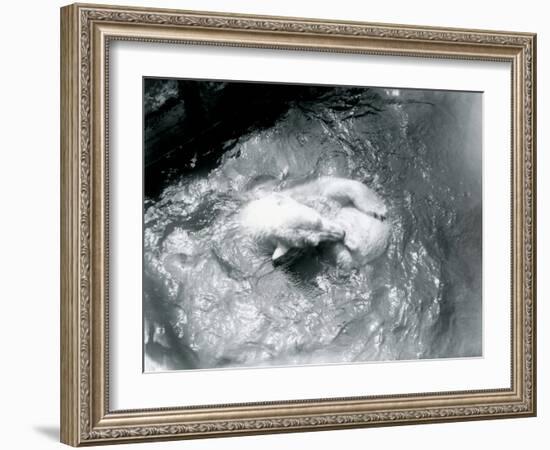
(343, 191)
(354, 192)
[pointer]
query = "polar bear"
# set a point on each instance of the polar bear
(345, 214)
(366, 238)
(280, 223)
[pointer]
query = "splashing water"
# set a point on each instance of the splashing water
(213, 299)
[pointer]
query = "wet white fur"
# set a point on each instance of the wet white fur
(365, 240)
(283, 223)
(283, 220)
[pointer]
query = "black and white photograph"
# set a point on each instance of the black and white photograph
(296, 224)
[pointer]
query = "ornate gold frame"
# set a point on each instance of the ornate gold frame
(86, 31)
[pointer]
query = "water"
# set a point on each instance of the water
(212, 299)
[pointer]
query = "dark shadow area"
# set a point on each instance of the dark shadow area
(189, 124)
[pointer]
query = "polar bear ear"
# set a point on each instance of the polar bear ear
(280, 251)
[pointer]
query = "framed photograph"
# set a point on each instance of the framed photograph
(276, 224)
